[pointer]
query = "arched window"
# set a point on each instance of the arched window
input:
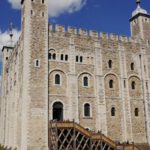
(62, 57)
(77, 58)
(58, 111)
(37, 63)
(54, 56)
(113, 111)
(136, 112)
(85, 81)
(110, 63)
(132, 66)
(81, 59)
(49, 56)
(57, 79)
(87, 110)
(133, 85)
(66, 57)
(42, 1)
(111, 82)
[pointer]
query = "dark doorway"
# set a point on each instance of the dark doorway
(58, 111)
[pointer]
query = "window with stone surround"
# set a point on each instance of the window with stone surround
(132, 66)
(49, 56)
(77, 58)
(57, 79)
(113, 111)
(37, 63)
(133, 85)
(85, 81)
(87, 110)
(61, 57)
(54, 56)
(66, 57)
(111, 84)
(110, 63)
(81, 59)
(136, 112)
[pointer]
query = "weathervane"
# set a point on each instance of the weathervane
(138, 1)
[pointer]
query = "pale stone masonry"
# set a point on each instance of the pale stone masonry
(52, 73)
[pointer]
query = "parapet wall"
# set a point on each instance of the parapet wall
(91, 33)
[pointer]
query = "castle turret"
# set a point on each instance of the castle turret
(34, 130)
(140, 23)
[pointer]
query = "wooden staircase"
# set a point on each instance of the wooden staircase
(66, 135)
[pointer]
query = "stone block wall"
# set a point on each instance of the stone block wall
(122, 97)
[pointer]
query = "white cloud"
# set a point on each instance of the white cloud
(5, 39)
(15, 3)
(57, 7)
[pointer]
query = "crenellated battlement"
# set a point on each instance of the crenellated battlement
(90, 33)
(72, 30)
(113, 36)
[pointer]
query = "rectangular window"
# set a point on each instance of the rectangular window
(77, 58)
(124, 82)
(36, 63)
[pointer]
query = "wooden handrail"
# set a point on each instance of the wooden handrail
(93, 136)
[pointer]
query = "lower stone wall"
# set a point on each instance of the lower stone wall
(138, 122)
(114, 123)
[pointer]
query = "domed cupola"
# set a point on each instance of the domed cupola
(140, 23)
(139, 10)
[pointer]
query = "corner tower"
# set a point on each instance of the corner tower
(34, 129)
(140, 23)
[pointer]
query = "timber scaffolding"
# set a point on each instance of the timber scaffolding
(66, 135)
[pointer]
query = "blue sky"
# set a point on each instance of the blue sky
(102, 15)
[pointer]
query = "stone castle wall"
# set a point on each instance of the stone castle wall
(117, 69)
(122, 51)
(11, 95)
